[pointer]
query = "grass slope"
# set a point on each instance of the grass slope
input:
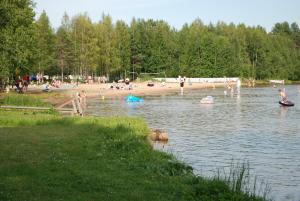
(44, 157)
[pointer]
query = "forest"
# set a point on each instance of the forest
(30, 45)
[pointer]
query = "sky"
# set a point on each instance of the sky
(177, 12)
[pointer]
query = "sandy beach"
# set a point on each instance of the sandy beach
(140, 89)
(105, 91)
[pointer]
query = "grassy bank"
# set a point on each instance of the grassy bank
(44, 156)
(35, 99)
(23, 100)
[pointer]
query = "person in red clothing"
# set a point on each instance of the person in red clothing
(25, 82)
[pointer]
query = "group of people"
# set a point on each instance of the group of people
(233, 87)
(22, 83)
(55, 83)
(121, 84)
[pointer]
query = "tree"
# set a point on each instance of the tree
(85, 42)
(137, 55)
(16, 36)
(146, 46)
(108, 59)
(45, 44)
(123, 45)
(64, 46)
(282, 28)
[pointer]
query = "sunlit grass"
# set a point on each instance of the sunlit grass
(44, 156)
(23, 100)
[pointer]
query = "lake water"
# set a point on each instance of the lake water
(251, 127)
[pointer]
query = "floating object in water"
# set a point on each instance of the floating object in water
(207, 100)
(286, 103)
(131, 98)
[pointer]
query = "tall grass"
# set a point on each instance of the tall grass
(23, 100)
(240, 181)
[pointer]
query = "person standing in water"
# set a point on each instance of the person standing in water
(181, 83)
(238, 86)
(283, 95)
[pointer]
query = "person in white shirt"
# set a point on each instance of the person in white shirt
(181, 83)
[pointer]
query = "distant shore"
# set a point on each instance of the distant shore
(104, 90)
(140, 89)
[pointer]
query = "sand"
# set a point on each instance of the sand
(140, 89)
(104, 91)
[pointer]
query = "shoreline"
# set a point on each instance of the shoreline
(138, 89)
(95, 90)
(142, 89)
(104, 90)
(118, 146)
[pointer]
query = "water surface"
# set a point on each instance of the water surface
(251, 127)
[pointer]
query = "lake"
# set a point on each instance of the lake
(250, 127)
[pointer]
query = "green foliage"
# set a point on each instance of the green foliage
(108, 57)
(45, 44)
(85, 41)
(16, 36)
(145, 77)
(123, 46)
(150, 76)
(80, 47)
(64, 47)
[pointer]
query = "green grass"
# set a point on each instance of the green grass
(240, 181)
(23, 100)
(44, 157)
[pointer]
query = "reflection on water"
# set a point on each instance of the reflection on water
(251, 126)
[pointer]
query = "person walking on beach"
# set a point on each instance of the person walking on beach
(181, 83)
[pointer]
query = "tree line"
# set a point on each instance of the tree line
(80, 47)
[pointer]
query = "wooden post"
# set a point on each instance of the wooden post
(74, 108)
(83, 99)
(24, 107)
